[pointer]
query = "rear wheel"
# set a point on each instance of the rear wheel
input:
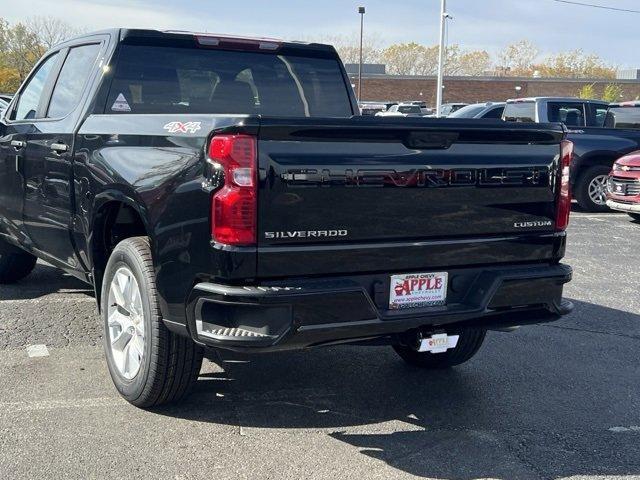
(635, 216)
(15, 263)
(591, 189)
(149, 365)
(468, 345)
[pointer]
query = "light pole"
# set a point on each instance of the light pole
(361, 12)
(443, 18)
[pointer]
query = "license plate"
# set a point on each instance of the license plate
(438, 343)
(414, 290)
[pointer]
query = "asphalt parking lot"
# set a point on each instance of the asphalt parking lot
(552, 401)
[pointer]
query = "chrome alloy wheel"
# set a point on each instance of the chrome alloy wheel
(126, 323)
(598, 189)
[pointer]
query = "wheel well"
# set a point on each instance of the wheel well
(114, 222)
(587, 163)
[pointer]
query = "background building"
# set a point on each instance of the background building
(471, 89)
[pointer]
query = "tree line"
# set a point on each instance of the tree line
(518, 59)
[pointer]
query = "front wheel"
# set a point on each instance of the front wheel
(149, 365)
(591, 189)
(468, 345)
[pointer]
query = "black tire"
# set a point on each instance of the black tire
(581, 189)
(170, 363)
(15, 263)
(468, 345)
(635, 216)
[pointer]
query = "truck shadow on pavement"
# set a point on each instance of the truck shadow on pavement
(44, 280)
(547, 401)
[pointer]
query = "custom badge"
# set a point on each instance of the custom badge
(182, 127)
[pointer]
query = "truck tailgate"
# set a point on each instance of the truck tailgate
(341, 196)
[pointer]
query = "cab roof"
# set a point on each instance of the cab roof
(555, 99)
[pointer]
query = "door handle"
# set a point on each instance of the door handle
(59, 147)
(17, 144)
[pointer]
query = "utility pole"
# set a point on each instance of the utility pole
(439, 86)
(361, 11)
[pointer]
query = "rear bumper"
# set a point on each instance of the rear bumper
(310, 312)
(623, 207)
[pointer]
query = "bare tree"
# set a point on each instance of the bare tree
(51, 30)
(348, 47)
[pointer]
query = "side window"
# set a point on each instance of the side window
(599, 115)
(72, 79)
(570, 113)
(30, 96)
(494, 113)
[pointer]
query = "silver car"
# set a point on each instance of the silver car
(480, 110)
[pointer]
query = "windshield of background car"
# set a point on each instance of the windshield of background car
(469, 111)
(520, 112)
(409, 109)
(160, 79)
(623, 117)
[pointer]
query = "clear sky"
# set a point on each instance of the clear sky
(485, 24)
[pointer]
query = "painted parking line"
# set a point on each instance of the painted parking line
(35, 351)
(49, 300)
(597, 215)
(12, 408)
(632, 428)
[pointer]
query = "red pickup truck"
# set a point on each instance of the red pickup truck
(624, 185)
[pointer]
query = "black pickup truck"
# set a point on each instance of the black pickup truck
(223, 192)
(600, 132)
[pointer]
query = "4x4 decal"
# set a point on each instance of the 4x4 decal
(181, 127)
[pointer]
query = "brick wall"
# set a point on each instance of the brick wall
(479, 89)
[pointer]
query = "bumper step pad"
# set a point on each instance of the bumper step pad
(236, 332)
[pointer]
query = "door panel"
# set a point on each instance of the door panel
(49, 200)
(12, 142)
(15, 129)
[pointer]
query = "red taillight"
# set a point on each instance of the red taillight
(563, 209)
(234, 206)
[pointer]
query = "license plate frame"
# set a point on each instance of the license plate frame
(418, 290)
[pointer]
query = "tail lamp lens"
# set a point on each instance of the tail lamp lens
(564, 190)
(234, 206)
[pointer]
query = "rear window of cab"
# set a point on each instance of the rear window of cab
(162, 79)
(520, 112)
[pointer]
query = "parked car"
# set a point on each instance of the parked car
(371, 108)
(572, 111)
(448, 108)
(601, 134)
(223, 193)
(480, 110)
(624, 185)
(424, 109)
(402, 110)
(6, 97)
